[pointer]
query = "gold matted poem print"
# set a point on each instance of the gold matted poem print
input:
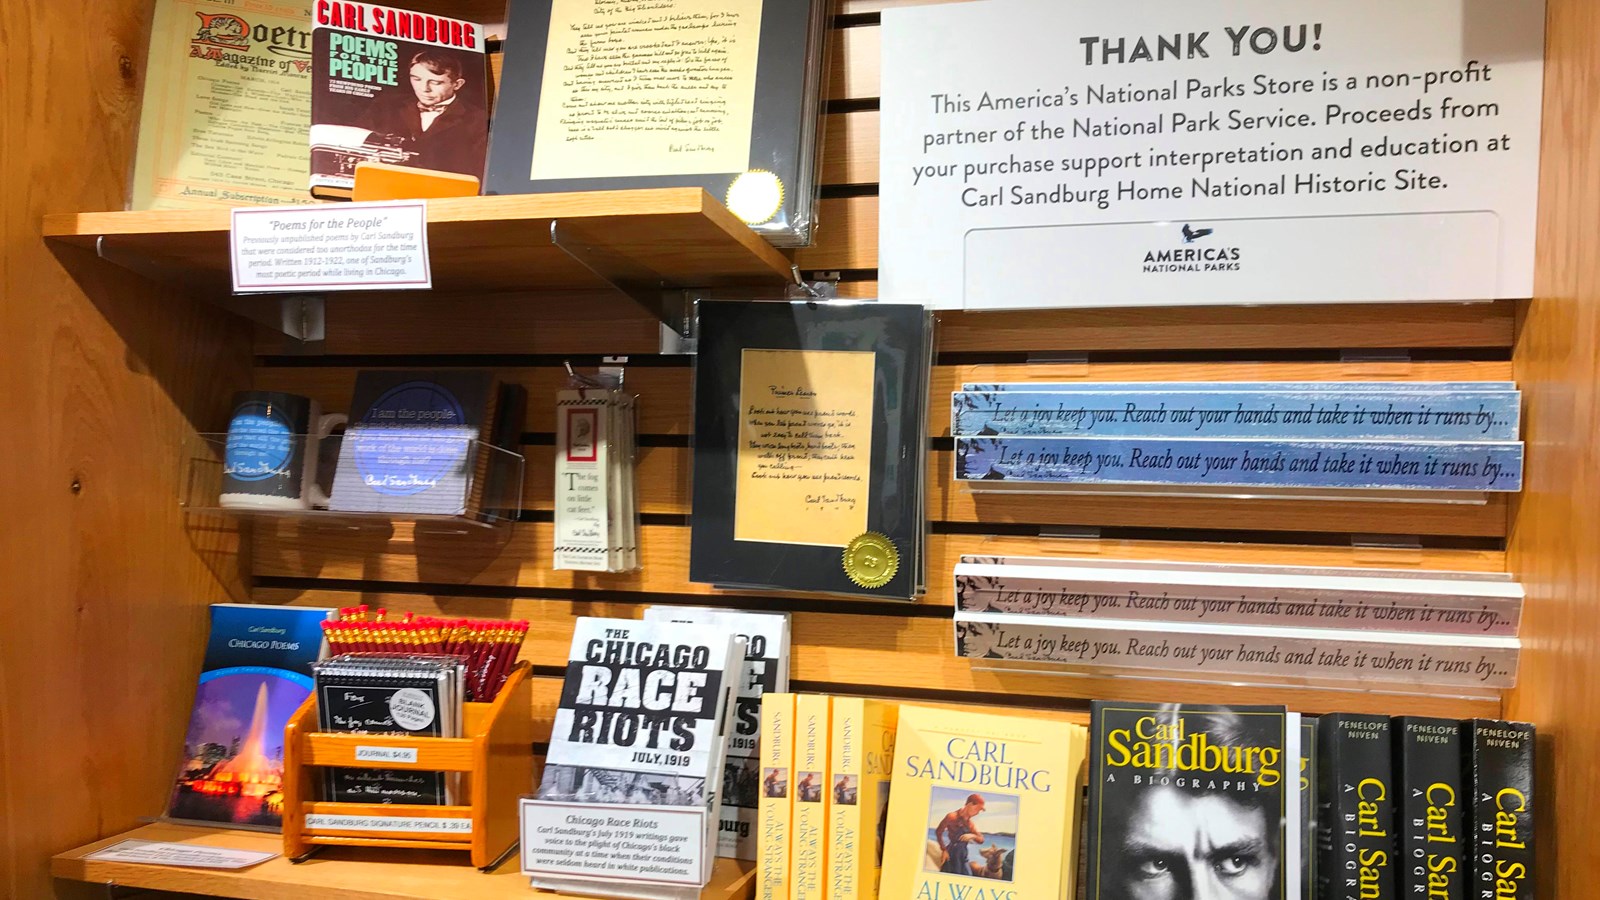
(805, 446)
(640, 89)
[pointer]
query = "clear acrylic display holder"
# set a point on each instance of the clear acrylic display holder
(1228, 680)
(479, 485)
(1224, 492)
(569, 846)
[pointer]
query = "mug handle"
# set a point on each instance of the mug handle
(325, 427)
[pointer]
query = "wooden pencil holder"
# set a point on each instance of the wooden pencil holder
(494, 757)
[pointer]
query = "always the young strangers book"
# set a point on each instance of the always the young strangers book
(809, 446)
(1192, 795)
(777, 796)
(257, 672)
(394, 86)
(718, 94)
(859, 772)
(982, 806)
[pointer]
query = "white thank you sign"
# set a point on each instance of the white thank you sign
(1170, 152)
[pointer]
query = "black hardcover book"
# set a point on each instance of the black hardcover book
(1188, 800)
(1308, 807)
(382, 704)
(809, 446)
(397, 87)
(409, 446)
(1356, 809)
(1432, 806)
(1499, 761)
(724, 97)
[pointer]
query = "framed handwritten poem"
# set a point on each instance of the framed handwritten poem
(810, 440)
(718, 94)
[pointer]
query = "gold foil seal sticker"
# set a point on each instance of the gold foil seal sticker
(755, 197)
(871, 560)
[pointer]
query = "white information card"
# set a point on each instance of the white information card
(1171, 152)
(330, 247)
(163, 853)
(615, 842)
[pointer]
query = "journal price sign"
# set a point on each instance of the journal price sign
(1183, 152)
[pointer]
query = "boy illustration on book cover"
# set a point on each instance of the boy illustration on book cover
(956, 843)
(1173, 827)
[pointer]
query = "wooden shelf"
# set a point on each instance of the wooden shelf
(340, 873)
(666, 237)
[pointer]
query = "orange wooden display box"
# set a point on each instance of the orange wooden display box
(495, 757)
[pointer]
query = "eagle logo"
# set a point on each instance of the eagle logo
(223, 30)
(1192, 234)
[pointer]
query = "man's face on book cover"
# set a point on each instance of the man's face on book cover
(1183, 846)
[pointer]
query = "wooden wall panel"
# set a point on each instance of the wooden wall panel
(895, 655)
(1556, 531)
(521, 563)
(105, 587)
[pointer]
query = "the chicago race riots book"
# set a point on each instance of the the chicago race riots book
(1356, 808)
(394, 86)
(1499, 766)
(643, 720)
(765, 670)
(718, 94)
(1431, 808)
(777, 796)
(808, 859)
(860, 766)
(1192, 795)
(409, 447)
(982, 806)
(374, 693)
(256, 673)
(227, 101)
(815, 415)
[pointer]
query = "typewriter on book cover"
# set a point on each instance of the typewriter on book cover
(337, 149)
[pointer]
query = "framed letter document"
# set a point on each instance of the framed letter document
(810, 438)
(718, 94)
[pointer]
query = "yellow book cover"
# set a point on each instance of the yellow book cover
(227, 104)
(981, 807)
(808, 862)
(862, 761)
(776, 807)
(1077, 763)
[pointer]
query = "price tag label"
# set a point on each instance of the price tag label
(615, 842)
(162, 853)
(330, 247)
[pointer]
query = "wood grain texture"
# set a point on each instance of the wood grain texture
(850, 148)
(664, 472)
(335, 873)
(889, 654)
(674, 236)
(105, 588)
(282, 549)
(1556, 530)
(666, 399)
(604, 323)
